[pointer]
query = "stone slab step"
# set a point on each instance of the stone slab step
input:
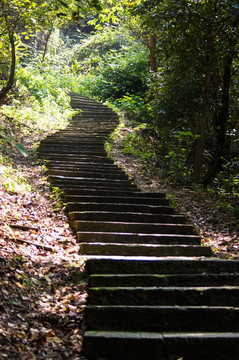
(138, 265)
(72, 152)
(70, 140)
(134, 199)
(118, 208)
(174, 296)
(148, 228)
(125, 216)
(99, 186)
(162, 318)
(88, 174)
(130, 280)
(117, 195)
(139, 238)
(85, 162)
(143, 249)
(84, 165)
(100, 115)
(79, 158)
(87, 168)
(65, 180)
(161, 346)
(67, 143)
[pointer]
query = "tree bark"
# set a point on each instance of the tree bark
(200, 142)
(5, 90)
(223, 117)
(152, 53)
(46, 43)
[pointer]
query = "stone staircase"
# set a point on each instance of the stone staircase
(154, 292)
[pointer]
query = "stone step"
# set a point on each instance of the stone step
(139, 265)
(132, 249)
(81, 133)
(93, 107)
(78, 158)
(119, 194)
(85, 161)
(119, 208)
(161, 346)
(84, 165)
(100, 115)
(61, 149)
(72, 152)
(88, 174)
(165, 296)
(62, 181)
(119, 199)
(125, 216)
(99, 186)
(71, 140)
(138, 238)
(72, 143)
(132, 280)
(129, 227)
(162, 318)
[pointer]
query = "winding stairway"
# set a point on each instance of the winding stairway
(154, 292)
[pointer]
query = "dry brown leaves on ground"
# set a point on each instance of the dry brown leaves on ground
(42, 292)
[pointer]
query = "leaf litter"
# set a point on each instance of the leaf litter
(42, 288)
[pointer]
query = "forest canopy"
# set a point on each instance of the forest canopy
(172, 66)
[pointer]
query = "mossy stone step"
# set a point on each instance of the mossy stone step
(147, 228)
(130, 280)
(110, 345)
(174, 296)
(93, 248)
(139, 238)
(162, 318)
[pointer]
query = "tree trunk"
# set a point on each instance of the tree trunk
(152, 53)
(46, 43)
(200, 142)
(5, 90)
(223, 117)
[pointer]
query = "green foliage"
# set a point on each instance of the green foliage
(180, 144)
(136, 108)
(112, 65)
(136, 142)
